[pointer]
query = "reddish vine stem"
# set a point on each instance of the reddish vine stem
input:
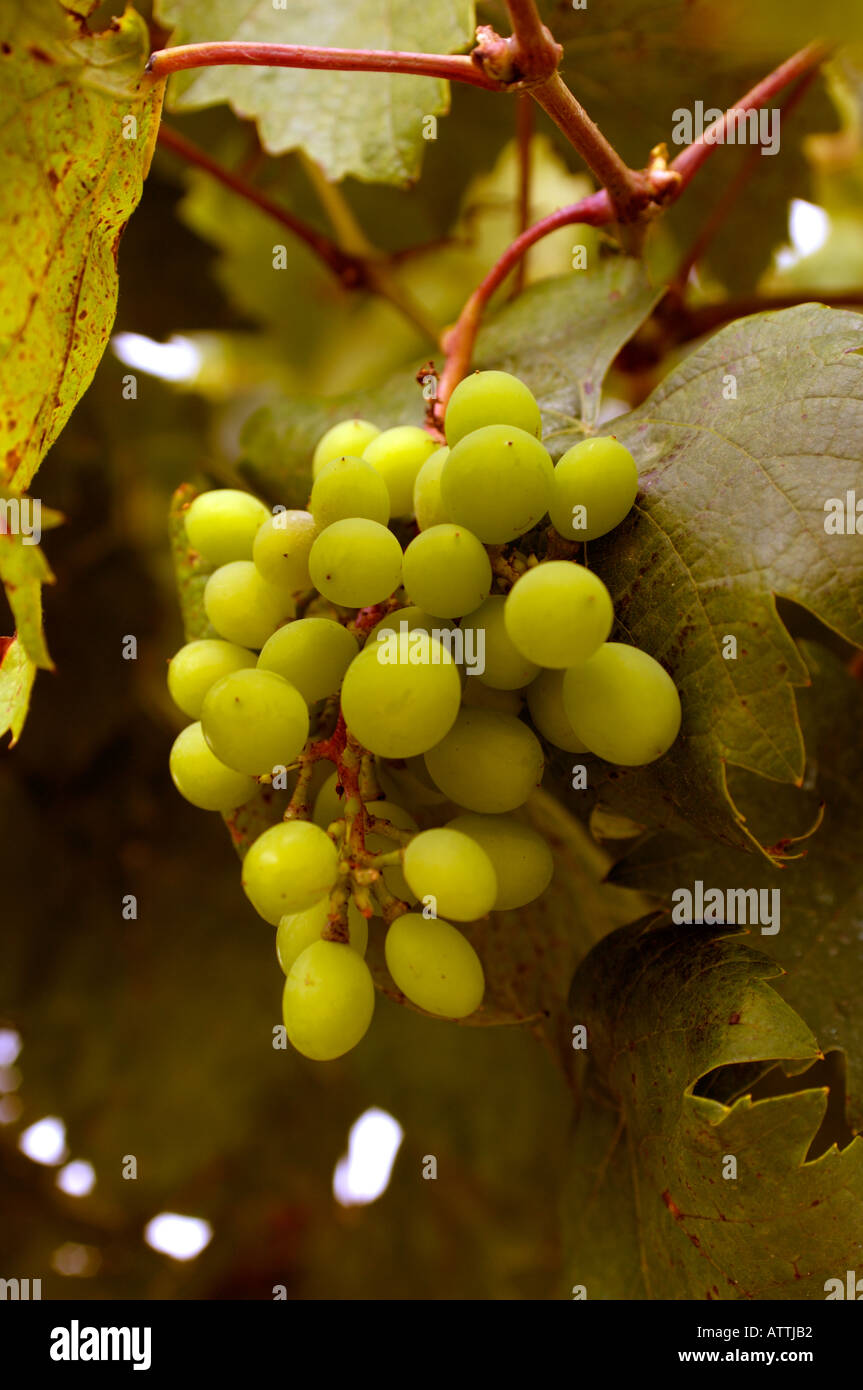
(524, 124)
(455, 67)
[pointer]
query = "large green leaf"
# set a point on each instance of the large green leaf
(366, 124)
(730, 514)
(654, 1208)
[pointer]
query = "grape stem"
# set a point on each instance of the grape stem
(664, 183)
(454, 67)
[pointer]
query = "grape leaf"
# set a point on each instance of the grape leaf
(820, 940)
(366, 124)
(17, 674)
(79, 123)
(730, 515)
(652, 1211)
(24, 569)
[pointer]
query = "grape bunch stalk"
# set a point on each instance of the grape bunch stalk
(340, 645)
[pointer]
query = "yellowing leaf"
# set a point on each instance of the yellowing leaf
(17, 673)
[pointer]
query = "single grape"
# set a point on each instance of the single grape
(347, 437)
(199, 665)
(447, 571)
(400, 698)
(408, 782)
(289, 867)
(429, 509)
(349, 487)
(281, 550)
(200, 777)
(328, 1000)
(254, 721)
(521, 858)
(398, 456)
(242, 606)
(434, 965)
(312, 653)
(595, 484)
(329, 803)
(487, 762)
(545, 702)
(356, 563)
(297, 930)
(221, 525)
(558, 613)
(623, 705)
(380, 844)
(414, 618)
(478, 695)
(452, 869)
(491, 398)
(497, 482)
(503, 666)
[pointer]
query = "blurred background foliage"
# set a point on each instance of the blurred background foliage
(153, 1037)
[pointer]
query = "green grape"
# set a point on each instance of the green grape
(447, 571)
(328, 1000)
(558, 613)
(356, 563)
(623, 705)
(429, 509)
(199, 665)
(312, 653)
(289, 867)
(434, 965)
(348, 487)
(477, 695)
(545, 702)
(398, 455)
(521, 858)
(491, 398)
(400, 699)
(380, 844)
(454, 870)
(297, 930)
(595, 484)
(347, 437)
(242, 606)
(503, 666)
(415, 618)
(254, 721)
(497, 482)
(487, 762)
(281, 550)
(329, 803)
(200, 777)
(221, 525)
(408, 782)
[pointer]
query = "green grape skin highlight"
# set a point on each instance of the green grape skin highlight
(349, 487)
(201, 779)
(312, 653)
(623, 705)
(446, 571)
(558, 614)
(297, 930)
(198, 665)
(595, 484)
(243, 607)
(328, 1000)
(281, 550)
(221, 525)
(491, 398)
(545, 703)
(497, 482)
(504, 667)
(434, 965)
(520, 856)
(347, 437)
(289, 868)
(429, 509)
(356, 563)
(487, 762)
(255, 721)
(401, 697)
(454, 870)
(398, 455)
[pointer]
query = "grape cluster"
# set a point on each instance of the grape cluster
(342, 634)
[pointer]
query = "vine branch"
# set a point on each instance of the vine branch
(455, 67)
